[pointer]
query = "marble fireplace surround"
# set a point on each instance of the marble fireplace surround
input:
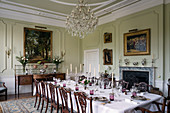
(142, 69)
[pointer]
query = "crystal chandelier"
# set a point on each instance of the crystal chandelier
(81, 21)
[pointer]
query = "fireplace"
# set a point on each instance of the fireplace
(137, 74)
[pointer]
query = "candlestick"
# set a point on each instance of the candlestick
(112, 77)
(94, 72)
(67, 71)
(89, 68)
(70, 67)
(75, 70)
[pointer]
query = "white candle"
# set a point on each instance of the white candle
(75, 70)
(152, 57)
(80, 68)
(99, 68)
(94, 72)
(89, 68)
(70, 67)
(67, 71)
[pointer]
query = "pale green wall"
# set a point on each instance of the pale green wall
(150, 18)
(12, 36)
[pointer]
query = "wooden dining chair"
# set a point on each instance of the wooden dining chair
(162, 110)
(54, 97)
(37, 93)
(81, 102)
(123, 83)
(142, 86)
(3, 89)
(65, 94)
(168, 106)
(45, 96)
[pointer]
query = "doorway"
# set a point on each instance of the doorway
(91, 57)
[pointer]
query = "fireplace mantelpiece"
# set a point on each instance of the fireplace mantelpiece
(143, 69)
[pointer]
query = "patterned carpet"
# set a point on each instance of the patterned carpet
(21, 106)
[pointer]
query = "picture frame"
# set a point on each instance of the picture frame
(107, 57)
(107, 37)
(137, 43)
(38, 45)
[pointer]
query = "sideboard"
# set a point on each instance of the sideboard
(22, 79)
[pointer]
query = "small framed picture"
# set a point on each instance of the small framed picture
(107, 57)
(137, 43)
(107, 37)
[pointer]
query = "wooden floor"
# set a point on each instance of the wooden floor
(15, 97)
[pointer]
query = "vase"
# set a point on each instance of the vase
(23, 69)
(56, 67)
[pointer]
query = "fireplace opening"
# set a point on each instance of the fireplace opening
(135, 77)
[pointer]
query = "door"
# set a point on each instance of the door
(91, 61)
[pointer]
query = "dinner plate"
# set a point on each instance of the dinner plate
(101, 99)
(139, 98)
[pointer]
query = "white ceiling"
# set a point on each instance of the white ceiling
(54, 12)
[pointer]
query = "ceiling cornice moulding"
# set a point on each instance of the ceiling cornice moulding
(134, 8)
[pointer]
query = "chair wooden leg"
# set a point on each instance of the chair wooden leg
(51, 108)
(46, 107)
(35, 101)
(39, 103)
(42, 106)
(6, 94)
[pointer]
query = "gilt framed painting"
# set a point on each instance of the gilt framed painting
(37, 45)
(107, 37)
(107, 57)
(137, 43)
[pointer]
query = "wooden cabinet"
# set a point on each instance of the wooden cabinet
(23, 80)
(28, 79)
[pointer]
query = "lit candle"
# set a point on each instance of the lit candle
(75, 70)
(99, 68)
(80, 68)
(89, 68)
(67, 71)
(70, 67)
(94, 72)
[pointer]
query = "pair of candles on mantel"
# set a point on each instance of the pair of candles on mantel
(71, 68)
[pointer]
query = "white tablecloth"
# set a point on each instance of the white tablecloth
(121, 103)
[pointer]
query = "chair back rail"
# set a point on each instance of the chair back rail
(81, 98)
(65, 94)
(123, 83)
(54, 97)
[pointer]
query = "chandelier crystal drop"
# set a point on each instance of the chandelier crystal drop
(81, 20)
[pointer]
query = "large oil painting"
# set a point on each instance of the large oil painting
(38, 44)
(137, 43)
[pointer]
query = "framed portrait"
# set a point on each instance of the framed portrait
(137, 43)
(37, 45)
(107, 57)
(107, 37)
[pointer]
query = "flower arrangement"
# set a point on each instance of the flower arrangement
(57, 60)
(23, 60)
(84, 81)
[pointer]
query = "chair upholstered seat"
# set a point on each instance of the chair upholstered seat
(2, 89)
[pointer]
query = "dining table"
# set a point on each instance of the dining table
(123, 102)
